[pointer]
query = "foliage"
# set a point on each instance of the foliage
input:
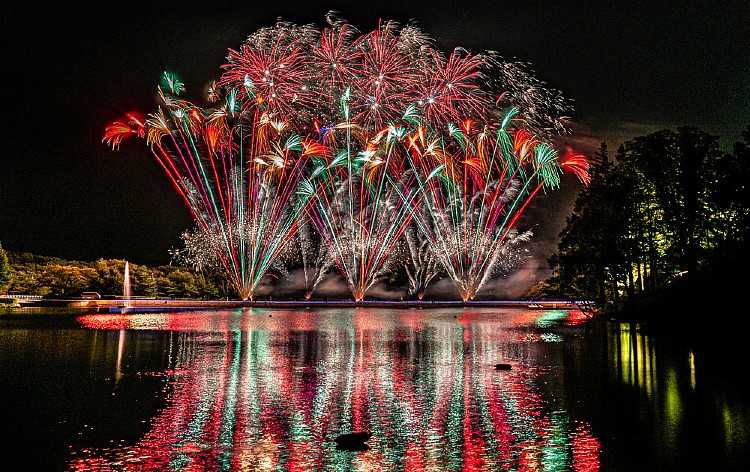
(546, 290)
(670, 209)
(4, 268)
(52, 277)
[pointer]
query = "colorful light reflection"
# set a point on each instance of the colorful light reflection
(271, 390)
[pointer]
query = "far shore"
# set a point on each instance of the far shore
(136, 304)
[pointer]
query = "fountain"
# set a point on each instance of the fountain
(126, 287)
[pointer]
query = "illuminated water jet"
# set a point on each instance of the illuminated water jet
(126, 295)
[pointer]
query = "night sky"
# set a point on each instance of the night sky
(70, 68)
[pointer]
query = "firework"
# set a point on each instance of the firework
(391, 79)
(302, 72)
(313, 254)
(357, 205)
(473, 185)
(422, 265)
(237, 173)
(375, 140)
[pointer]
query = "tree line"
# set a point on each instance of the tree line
(669, 213)
(30, 274)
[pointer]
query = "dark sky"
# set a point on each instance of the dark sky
(70, 68)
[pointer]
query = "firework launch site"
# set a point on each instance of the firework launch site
(139, 305)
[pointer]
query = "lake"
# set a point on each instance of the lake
(272, 389)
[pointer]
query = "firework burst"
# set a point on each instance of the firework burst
(301, 72)
(357, 207)
(472, 186)
(238, 174)
(373, 139)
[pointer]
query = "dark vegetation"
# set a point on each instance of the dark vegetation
(663, 229)
(58, 278)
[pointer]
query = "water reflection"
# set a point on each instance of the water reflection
(270, 390)
(688, 402)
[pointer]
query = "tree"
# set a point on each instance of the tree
(730, 192)
(670, 204)
(110, 275)
(4, 269)
(677, 167)
(66, 280)
(587, 255)
(143, 281)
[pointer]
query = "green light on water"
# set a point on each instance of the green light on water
(549, 318)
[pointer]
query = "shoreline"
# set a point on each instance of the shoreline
(136, 305)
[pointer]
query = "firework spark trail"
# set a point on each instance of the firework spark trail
(314, 255)
(474, 188)
(422, 265)
(302, 71)
(390, 130)
(358, 210)
(241, 187)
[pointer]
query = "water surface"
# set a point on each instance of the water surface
(271, 389)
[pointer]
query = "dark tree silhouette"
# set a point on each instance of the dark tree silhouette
(670, 211)
(4, 269)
